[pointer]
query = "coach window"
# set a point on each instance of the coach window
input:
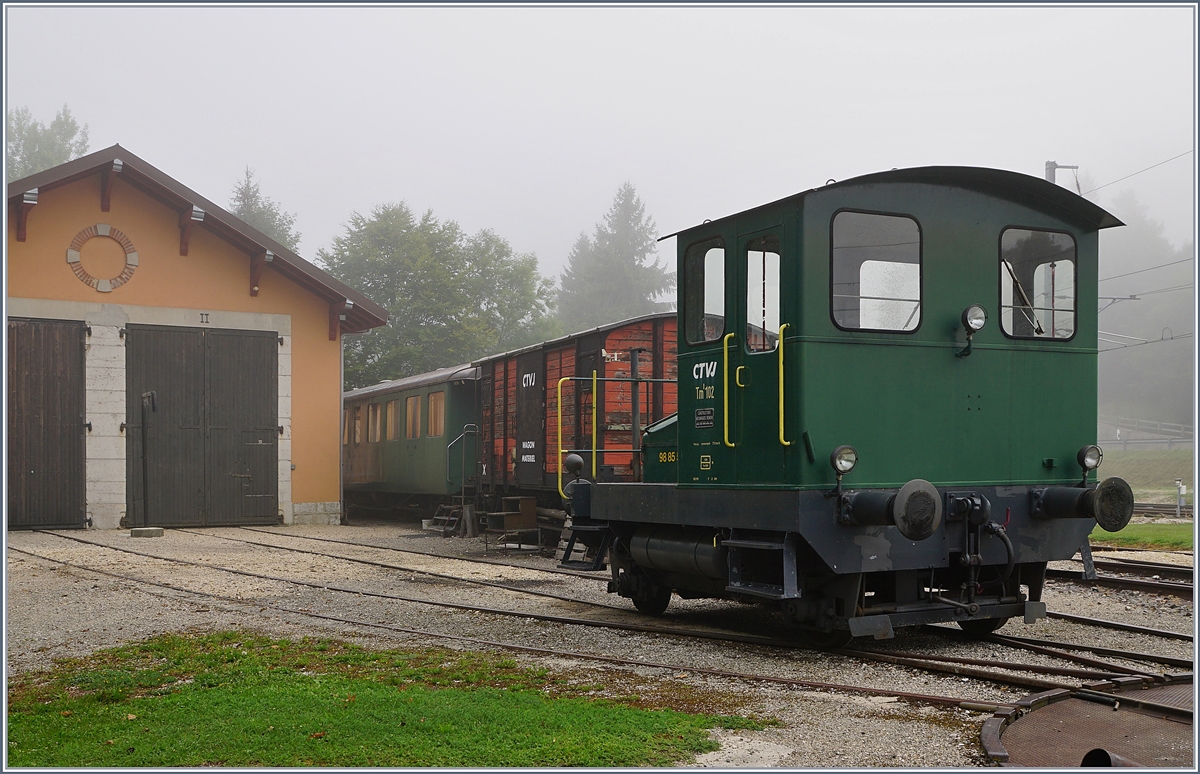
(412, 417)
(875, 272)
(357, 425)
(373, 424)
(437, 414)
(392, 419)
(704, 291)
(762, 294)
(1037, 284)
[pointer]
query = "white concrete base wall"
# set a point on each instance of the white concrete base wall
(316, 513)
(104, 403)
(104, 399)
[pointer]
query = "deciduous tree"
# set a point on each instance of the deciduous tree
(452, 297)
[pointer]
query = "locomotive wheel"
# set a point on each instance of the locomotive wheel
(655, 603)
(980, 626)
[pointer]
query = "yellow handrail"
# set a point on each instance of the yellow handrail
(561, 450)
(596, 451)
(782, 328)
(725, 391)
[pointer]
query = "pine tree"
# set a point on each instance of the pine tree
(615, 274)
(249, 204)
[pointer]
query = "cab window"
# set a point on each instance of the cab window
(875, 272)
(704, 291)
(762, 294)
(1037, 284)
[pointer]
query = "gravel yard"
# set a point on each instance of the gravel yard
(55, 611)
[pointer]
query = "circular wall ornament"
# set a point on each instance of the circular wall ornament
(102, 230)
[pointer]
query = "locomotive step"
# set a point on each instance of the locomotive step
(765, 590)
(761, 545)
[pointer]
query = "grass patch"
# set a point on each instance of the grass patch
(1151, 472)
(1173, 537)
(236, 699)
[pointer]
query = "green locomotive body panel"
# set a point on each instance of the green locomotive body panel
(1014, 411)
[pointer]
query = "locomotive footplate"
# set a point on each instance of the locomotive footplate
(881, 625)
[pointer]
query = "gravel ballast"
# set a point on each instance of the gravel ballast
(55, 611)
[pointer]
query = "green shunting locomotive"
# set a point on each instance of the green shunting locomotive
(887, 408)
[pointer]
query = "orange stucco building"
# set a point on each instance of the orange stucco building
(123, 282)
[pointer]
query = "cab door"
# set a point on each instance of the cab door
(706, 402)
(755, 384)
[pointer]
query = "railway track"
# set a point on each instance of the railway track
(603, 578)
(257, 607)
(994, 670)
(1172, 588)
(1161, 509)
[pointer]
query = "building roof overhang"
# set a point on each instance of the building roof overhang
(359, 312)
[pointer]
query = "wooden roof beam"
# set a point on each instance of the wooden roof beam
(21, 211)
(337, 316)
(187, 219)
(106, 181)
(257, 263)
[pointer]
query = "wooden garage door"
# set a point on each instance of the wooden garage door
(213, 443)
(46, 434)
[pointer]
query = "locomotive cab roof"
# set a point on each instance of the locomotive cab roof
(1031, 191)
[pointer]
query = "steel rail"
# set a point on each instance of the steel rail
(1045, 648)
(401, 568)
(1144, 569)
(927, 698)
(909, 658)
(643, 628)
(1103, 547)
(977, 662)
(1163, 509)
(1166, 633)
(1131, 584)
(1129, 655)
(475, 559)
(1086, 660)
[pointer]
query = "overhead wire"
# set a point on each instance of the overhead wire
(1140, 343)
(1152, 268)
(1140, 171)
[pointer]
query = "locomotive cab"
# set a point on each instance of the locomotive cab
(887, 407)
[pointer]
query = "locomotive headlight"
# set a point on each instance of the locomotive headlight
(843, 459)
(1090, 457)
(974, 317)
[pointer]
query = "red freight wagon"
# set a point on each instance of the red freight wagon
(519, 398)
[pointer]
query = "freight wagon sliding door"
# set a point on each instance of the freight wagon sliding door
(46, 479)
(213, 442)
(531, 418)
